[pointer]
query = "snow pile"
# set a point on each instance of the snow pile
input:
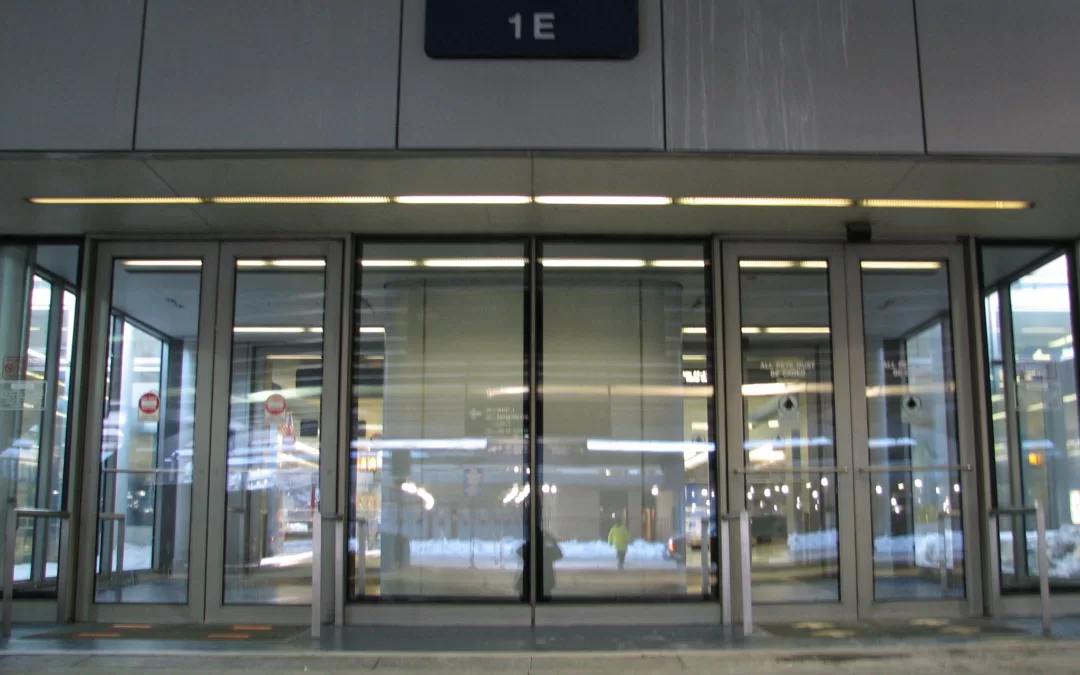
(1062, 547)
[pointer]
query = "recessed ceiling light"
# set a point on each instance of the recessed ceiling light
(388, 263)
(474, 262)
(162, 263)
(592, 262)
(359, 199)
(463, 199)
(116, 200)
(694, 330)
(944, 204)
(372, 329)
(767, 201)
(603, 200)
(900, 265)
(677, 263)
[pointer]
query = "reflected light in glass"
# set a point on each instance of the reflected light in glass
(828, 202)
(694, 330)
(464, 199)
(677, 263)
(783, 264)
(797, 330)
(600, 445)
(474, 262)
(270, 329)
(162, 263)
(603, 200)
(372, 329)
(388, 263)
(900, 265)
(592, 262)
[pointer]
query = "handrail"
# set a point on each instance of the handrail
(11, 530)
(1041, 553)
(796, 470)
(909, 468)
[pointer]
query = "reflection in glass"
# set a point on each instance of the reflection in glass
(147, 442)
(789, 430)
(626, 432)
(438, 461)
(275, 407)
(1040, 465)
(911, 417)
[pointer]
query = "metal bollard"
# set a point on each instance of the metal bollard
(316, 575)
(706, 544)
(725, 570)
(361, 564)
(339, 571)
(747, 597)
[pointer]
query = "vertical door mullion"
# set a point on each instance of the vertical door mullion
(731, 401)
(845, 307)
(717, 428)
(962, 334)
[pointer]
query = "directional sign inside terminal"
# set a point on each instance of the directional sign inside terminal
(531, 29)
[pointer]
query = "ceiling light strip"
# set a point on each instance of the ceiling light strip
(592, 262)
(464, 199)
(900, 265)
(603, 200)
(945, 204)
(828, 202)
(100, 201)
(359, 199)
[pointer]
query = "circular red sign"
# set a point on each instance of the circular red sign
(275, 405)
(149, 403)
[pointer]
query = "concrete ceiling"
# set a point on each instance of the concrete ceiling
(1051, 185)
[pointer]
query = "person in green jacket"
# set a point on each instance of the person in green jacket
(619, 538)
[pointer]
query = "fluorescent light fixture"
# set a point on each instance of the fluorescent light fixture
(252, 263)
(372, 329)
(767, 201)
(699, 426)
(592, 262)
(944, 204)
(603, 200)
(95, 201)
(1042, 330)
(900, 265)
(388, 263)
(474, 262)
(681, 447)
(764, 454)
(162, 263)
(677, 263)
(463, 199)
(797, 330)
(693, 357)
(425, 444)
(298, 263)
(750, 330)
(1061, 342)
(694, 330)
(365, 199)
(294, 357)
(1068, 398)
(814, 264)
(269, 329)
(783, 264)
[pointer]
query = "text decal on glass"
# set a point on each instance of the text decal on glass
(531, 29)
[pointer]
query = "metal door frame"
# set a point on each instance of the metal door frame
(99, 314)
(332, 251)
(846, 607)
(971, 603)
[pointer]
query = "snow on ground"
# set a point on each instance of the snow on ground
(1062, 546)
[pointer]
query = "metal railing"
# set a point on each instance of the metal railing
(743, 519)
(1041, 552)
(317, 587)
(11, 531)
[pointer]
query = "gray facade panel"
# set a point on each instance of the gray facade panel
(70, 73)
(488, 104)
(1001, 76)
(783, 76)
(269, 74)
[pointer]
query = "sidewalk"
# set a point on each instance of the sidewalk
(880, 648)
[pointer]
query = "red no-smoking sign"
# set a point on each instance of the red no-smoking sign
(149, 405)
(275, 405)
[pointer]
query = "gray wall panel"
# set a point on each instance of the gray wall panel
(778, 75)
(1001, 76)
(69, 74)
(532, 104)
(269, 74)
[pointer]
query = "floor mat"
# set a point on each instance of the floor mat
(141, 631)
(891, 630)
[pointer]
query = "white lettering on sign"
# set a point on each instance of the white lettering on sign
(543, 25)
(788, 368)
(695, 376)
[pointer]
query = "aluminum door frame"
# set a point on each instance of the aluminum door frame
(846, 607)
(99, 315)
(332, 250)
(971, 603)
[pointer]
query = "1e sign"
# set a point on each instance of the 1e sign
(531, 29)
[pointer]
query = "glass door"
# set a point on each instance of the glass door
(275, 423)
(849, 427)
(207, 377)
(914, 487)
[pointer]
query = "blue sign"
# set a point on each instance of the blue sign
(531, 29)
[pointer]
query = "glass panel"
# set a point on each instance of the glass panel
(33, 439)
(439, 458)
(147, 442)
(911, 420)
(626, 426)
(275, 413)
(1047, 409)
(998, 423)
(789, 426)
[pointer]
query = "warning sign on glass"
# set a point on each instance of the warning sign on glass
(275, 406)
(149, 407)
